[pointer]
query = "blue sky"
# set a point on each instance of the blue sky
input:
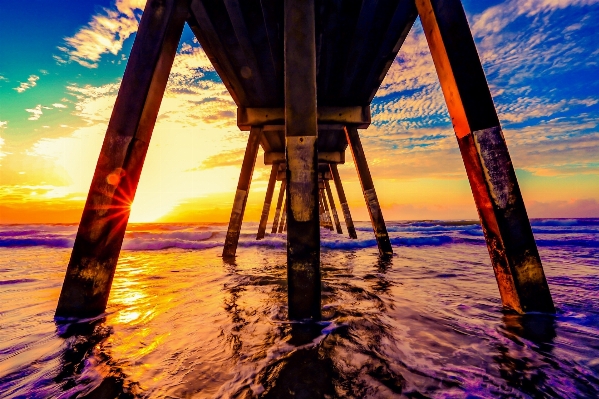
(61, 64)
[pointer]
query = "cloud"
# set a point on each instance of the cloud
(576, 208)
(105, 33)
(3, 124)
(496, 18)
(196, 124)
(31, 82)
(36, 112)
(59, 105)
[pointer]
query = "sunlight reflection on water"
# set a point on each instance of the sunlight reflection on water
(183, 323)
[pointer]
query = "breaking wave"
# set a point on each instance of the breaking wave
(148, 237)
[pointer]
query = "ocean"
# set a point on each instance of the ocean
(182, 323)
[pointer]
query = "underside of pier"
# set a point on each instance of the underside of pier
(303, 75)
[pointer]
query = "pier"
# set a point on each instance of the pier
(303, 75)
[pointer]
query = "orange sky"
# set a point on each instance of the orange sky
(52, 123)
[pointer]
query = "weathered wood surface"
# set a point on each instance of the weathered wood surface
(507, 230)
(356, 115)
(283, 224)
(372, 202)
(327, 187)
(275, 223)
(243, 190)
(357, 42)
(301, 136)
(270, 189)
(326, 208)
(349, 223)
(102, 228)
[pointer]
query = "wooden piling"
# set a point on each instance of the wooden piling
(283, 218)
(327, 187)
(326, 209)
(349, 223)
(503, 217)
(301, 137)
(243, 189)
(275, 224)
(372, 202)
(102, 228)
(267, 200)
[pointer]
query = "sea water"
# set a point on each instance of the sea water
(183, 323)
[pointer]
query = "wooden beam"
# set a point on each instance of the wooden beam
(243, 190)
(325, 157)
(275, 224)
(372, 202)
(358, 115)
(349, 223)
(503, 217)
(203, 29)
(327, 187)
(267, 200)
(102, 228)
(301, 137)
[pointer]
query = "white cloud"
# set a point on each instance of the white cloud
(496, 18)
(36, 112)
(3, 124)
(105, 33)
(59, 105)
(31, 82)
(2, 78)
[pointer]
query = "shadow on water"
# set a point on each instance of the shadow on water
(88, 341)
(338, 357)
(526, 373)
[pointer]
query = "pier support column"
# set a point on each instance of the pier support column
(301, 139)
(349, 223)
(275, 224)
(503, 217)
(372, 202)
(243, 189)
(267, 200)
(283, 218)
(102, 228)
(326, 209)
(327, 187)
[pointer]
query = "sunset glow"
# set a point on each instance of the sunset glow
(55, 106)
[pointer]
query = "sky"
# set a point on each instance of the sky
(61, 64)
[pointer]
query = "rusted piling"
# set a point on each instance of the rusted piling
(507, 230)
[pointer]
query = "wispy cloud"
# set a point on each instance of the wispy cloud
(59, 105)
(496, 18)
(31, 82)
(105, 33)
(3, 124)
(36, 112)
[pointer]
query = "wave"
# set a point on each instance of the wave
(549, 233)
